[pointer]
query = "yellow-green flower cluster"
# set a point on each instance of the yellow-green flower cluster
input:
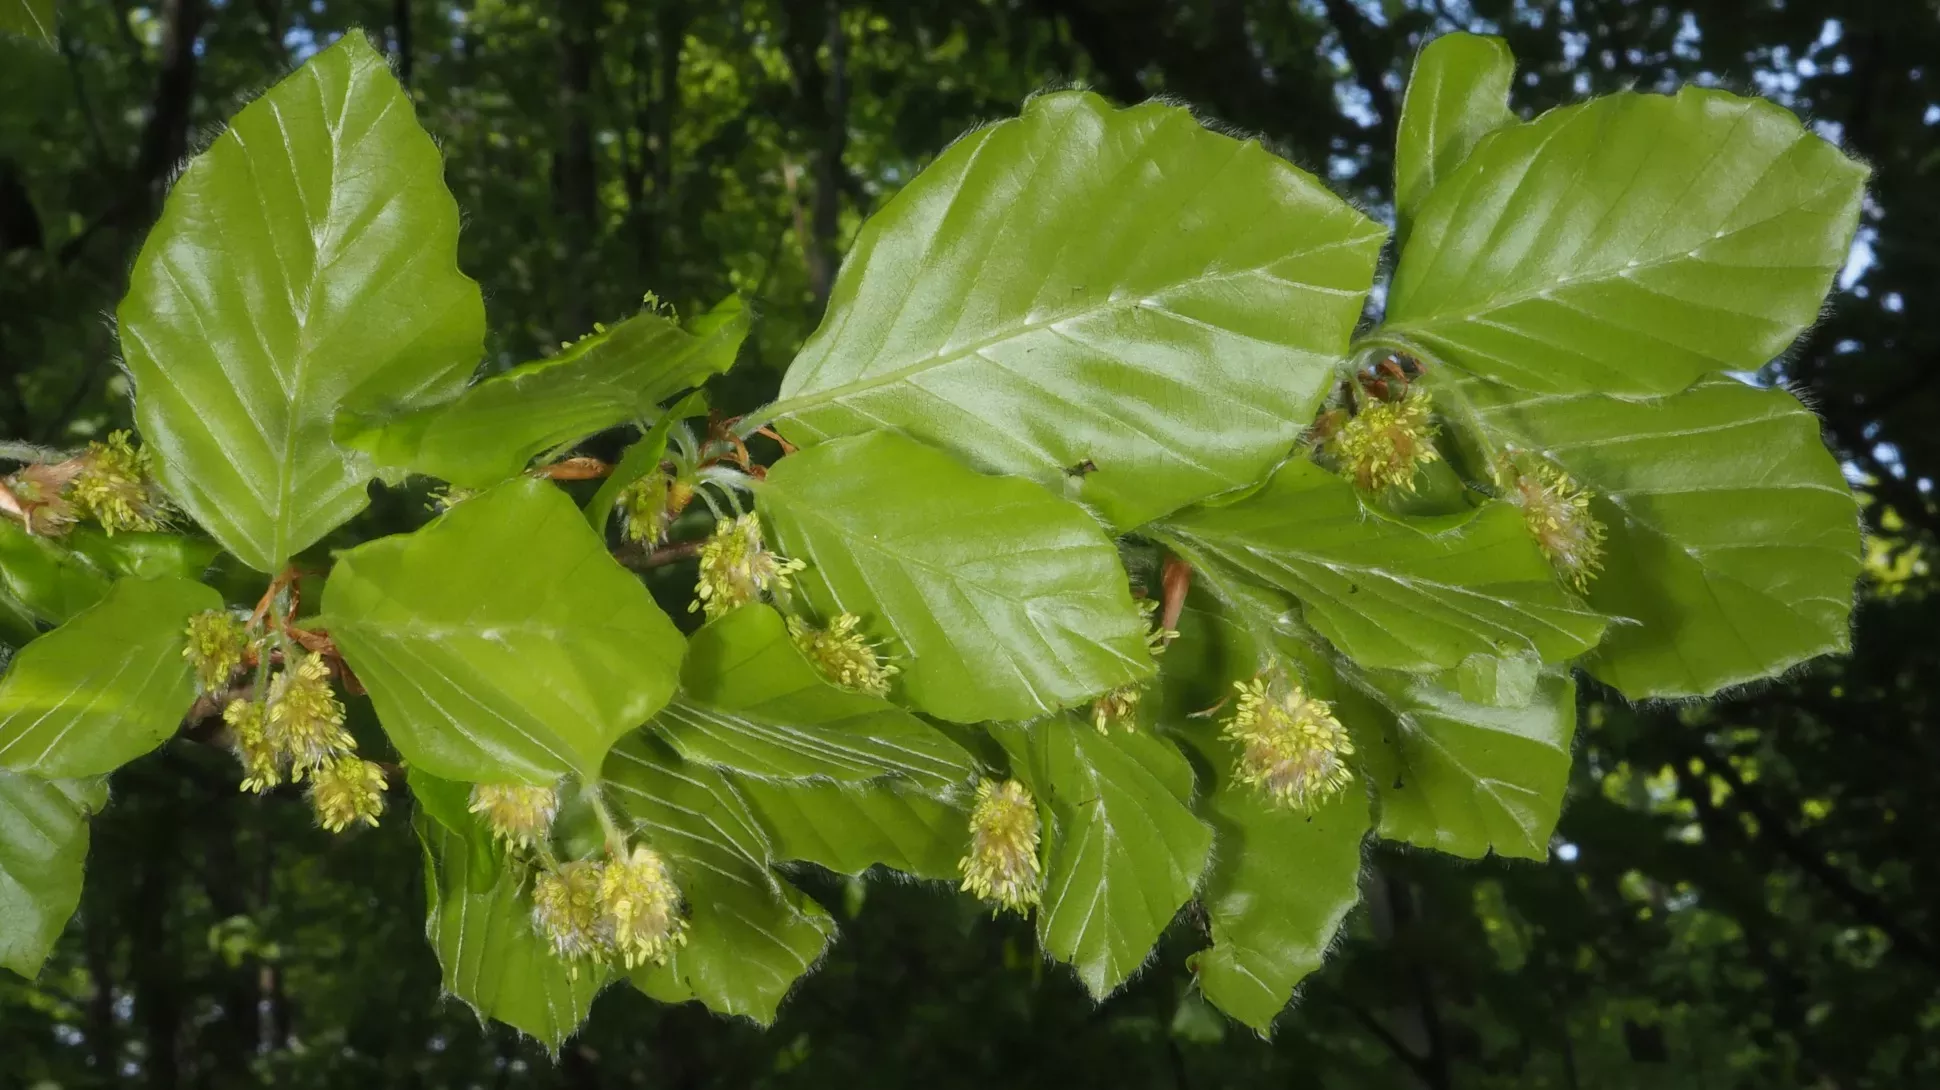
(305, 722)
(347, 789)
(639, 917)
(217, 642)
(649, 506)
(115, 486)
(261, 768)
(1557, 511)
(1291, 746)
(1118, 708)
(843, 654)
(1002, 865)
(297, 734)
(1387, 442)
(565, 910)
(519, 814)
(737, 568)
(625, 910)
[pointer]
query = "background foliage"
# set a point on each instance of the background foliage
(1742, 894)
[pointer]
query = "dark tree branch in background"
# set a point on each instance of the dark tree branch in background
(165, 138)
(1370, 61)
(575, 183)
(401, 39)
(813, 24)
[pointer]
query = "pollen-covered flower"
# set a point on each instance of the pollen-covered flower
(115, 487)
(1002, 864)
(737, 568)
(1291, 746)
(647, 506)
(1120, 706)
(261, 768)
(41, 491)
(345, 790)
(519, 813)
(305, 724)
(566, 911)
(215, 647)
(1557, 512)
(1387, 442)
(843, 654)
(639, 908)
(445, 497)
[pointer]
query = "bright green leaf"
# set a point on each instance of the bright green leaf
(501, 642)
(497, 426)
(481, 928)
(307, 260)
(107, 686)
(1008, 602)
(1122, 288)
(1420, 595)
(43, 845)
(29, 19)
(1733, 537)
(1123, 847)
(142, 555)
(1281, 882)
(750, 936)
(849, 828)
(751, 702)
(42, 581)
(1628, 244)
(1458, 776)
(1458, 94)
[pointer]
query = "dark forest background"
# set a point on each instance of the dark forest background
(1742, 894)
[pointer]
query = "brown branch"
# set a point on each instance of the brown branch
(666, 554)
(574, 469)
(1175, 581)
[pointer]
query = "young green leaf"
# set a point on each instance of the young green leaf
(306, 261)
(754, 704)
(494, 428)
(1458, 94)
(750, 936)
(43, 845)
(1733, 537)
(1008, 602)
(1120, 303)
(501, 642)
(849, 828)
(1281, 881)
(1628, 245)
(1458, 775)
(1420, 595)
(42, 582)
(1124, 849)
(481, 928)
(29, 19)
(107, 686)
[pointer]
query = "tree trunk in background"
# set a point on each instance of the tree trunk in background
(575, 186)
(824, 94)
(165, 138)
(154, 969)
(401, 38)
